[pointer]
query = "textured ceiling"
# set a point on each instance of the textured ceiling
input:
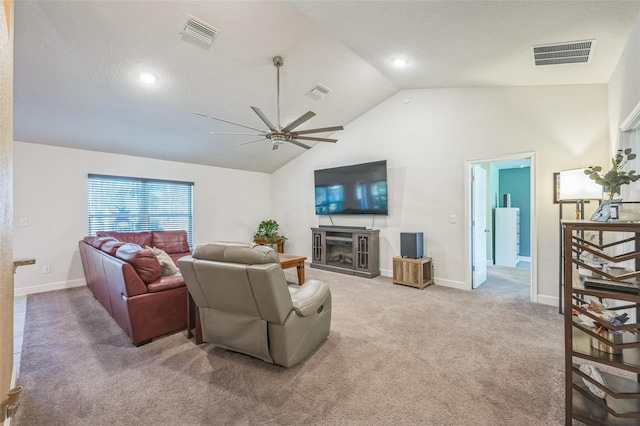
(77, 64)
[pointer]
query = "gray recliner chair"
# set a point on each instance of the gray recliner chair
(246, 305)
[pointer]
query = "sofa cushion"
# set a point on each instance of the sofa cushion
(167, 267)
(98, 242)
(143, 261)
(170, 241)
(166, 283)
(142, 239)
(111, 246)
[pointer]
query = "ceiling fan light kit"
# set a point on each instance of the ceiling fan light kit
(277, 134)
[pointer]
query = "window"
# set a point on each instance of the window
(126, 204)
(329, 199)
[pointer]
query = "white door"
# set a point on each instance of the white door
(479, 225)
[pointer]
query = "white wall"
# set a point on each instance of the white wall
(624, 85)
(50, 190)
(426, 136)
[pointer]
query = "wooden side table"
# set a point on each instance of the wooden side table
(413, 272)
(193, 320)
(291, 260)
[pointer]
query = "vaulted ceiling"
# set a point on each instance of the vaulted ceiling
(77, 66)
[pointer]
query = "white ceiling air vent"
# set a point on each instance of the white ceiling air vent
(319, 91)
(199, 30)
(575, 52)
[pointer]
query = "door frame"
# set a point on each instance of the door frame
(533, 271)
(474, 169)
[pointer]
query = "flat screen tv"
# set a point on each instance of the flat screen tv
(355, 189)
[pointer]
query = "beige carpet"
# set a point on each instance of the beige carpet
(505, 281)
(395, 356)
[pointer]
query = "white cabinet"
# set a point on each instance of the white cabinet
(507, 227)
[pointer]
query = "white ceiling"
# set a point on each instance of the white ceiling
(77, 65)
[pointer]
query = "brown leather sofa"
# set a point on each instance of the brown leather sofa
(125, 277)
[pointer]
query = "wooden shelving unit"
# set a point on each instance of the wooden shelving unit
(617, 242)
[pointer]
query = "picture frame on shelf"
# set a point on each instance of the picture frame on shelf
(614, 211)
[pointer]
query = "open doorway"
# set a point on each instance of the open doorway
(501, 211)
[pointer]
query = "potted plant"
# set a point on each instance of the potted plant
(267, 234)
(612, 180)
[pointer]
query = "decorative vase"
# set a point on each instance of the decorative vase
(612, 192)
(277, 246)
(615, 338)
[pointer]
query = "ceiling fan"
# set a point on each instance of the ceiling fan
(278, 134)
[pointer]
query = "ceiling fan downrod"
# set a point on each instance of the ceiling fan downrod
(278, 62)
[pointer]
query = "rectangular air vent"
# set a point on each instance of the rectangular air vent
(575, 52)
(199, 30)
(319, 91)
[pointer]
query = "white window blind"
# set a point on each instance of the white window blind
(126, 204)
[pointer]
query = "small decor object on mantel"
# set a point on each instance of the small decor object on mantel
(267, 234)
(612, 180)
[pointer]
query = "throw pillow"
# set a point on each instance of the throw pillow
(167, 267)
(144, 261)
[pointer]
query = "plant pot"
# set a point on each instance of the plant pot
(278, 246)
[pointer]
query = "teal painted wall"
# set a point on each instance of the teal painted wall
(517, 183)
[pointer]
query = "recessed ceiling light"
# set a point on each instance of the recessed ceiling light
(147, 77)
(399, 62)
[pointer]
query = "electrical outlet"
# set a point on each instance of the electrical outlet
(452, 218)
(46, 269)
(24, 221)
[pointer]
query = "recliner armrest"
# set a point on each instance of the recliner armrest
(308, 298)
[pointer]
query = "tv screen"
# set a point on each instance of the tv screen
(355, 189)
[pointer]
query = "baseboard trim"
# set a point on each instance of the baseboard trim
(525, 258)
(386, 273)
(23, 291)
(548, 300)
(460, 285)
(14, 383)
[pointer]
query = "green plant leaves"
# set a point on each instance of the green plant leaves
(268, 231)
(614, 178)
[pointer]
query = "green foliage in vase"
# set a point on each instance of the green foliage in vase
(612, 180)
(268, 231)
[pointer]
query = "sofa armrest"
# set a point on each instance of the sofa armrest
(310, 297)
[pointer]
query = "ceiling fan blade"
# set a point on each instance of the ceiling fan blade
(234, 133)
(310, 138)
(253, 141)
(295, 123)
(263, 118)
(227, 121)
(300, 144)
(323, 129)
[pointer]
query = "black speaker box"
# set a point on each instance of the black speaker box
(411, 245)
